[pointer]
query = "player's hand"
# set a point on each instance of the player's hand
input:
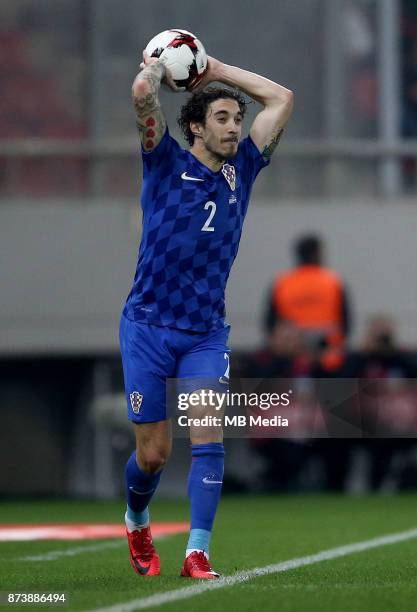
(167, 79)
(212, 74)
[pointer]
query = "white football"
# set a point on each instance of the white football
(183, 54)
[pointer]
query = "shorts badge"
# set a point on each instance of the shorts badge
(136, 401)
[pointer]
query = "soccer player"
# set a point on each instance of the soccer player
(173, 325)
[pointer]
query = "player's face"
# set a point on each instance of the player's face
(223, 127)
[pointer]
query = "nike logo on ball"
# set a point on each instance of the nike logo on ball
(190, 178)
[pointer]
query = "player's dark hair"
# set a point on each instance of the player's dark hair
(195, 109)
(307, 249)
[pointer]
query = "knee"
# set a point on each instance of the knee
(153, 460)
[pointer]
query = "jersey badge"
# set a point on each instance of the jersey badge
(229, 174)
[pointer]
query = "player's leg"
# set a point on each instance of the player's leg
(208, 360)
(144, 469)
(204, 489)
(146, 364)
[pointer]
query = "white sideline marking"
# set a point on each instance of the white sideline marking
(52, 555)
(184, 593)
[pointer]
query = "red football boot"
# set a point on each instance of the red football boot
(143, 556)
(196, 565)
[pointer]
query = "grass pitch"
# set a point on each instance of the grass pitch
(250, 531)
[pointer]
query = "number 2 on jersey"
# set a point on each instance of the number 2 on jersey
(207, 227)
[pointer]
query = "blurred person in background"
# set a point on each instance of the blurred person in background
(305, 462)
(410, 90)
(409, 98)
(409, 85)
(388, 401)
(361, 74)
(284, 356)
(380, 354)
(314, 298)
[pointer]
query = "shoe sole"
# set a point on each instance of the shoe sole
(199, 577)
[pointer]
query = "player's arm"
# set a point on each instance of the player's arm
(277, 102)
(150, 118)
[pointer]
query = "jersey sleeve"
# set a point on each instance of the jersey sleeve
(252, 159)
(161, 156)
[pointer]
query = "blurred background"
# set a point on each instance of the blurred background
(345, 174)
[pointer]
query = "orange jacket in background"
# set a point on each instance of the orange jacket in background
(311, 296)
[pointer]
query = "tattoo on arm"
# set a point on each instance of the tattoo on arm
(150, 121)
(270, 148)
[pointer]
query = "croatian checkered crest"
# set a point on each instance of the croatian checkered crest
(136, 401)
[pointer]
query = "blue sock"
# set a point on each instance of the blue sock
(140, 487)
(204, 488)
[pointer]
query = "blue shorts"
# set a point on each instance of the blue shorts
(151, 354)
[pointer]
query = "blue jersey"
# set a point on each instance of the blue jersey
(192, 223)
